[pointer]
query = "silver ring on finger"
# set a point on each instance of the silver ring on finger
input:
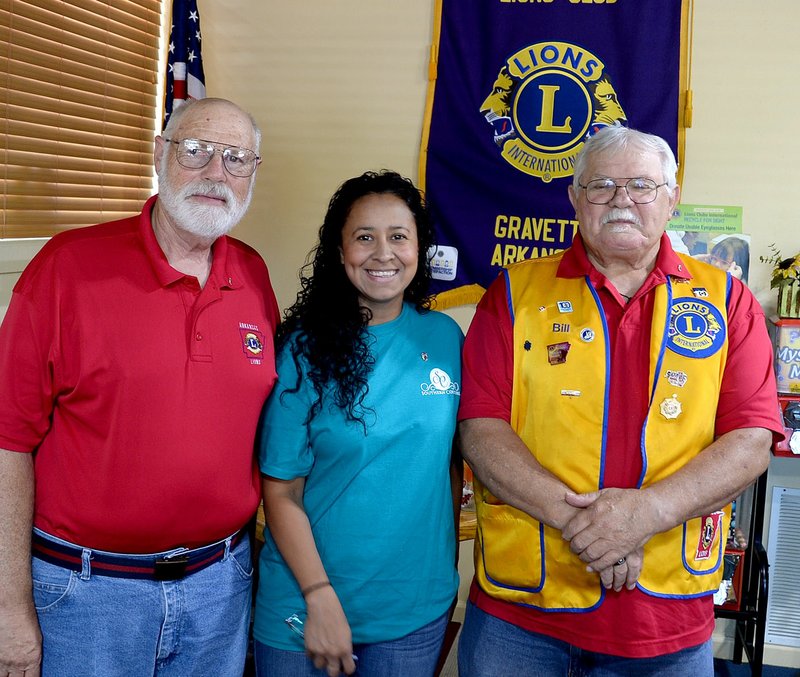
(619, 562)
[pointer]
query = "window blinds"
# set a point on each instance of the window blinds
(77, 111)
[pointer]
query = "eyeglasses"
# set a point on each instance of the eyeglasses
(197, 153)
(720, 262)
(640, 190)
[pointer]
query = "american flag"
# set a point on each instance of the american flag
(185, 78)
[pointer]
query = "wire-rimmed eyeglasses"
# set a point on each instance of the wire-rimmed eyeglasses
(640, 190)
(197, 153)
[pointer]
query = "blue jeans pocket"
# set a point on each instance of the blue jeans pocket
(51, 584)
(242, 560)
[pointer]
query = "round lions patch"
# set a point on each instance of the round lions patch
(547, 99)
(696, 328)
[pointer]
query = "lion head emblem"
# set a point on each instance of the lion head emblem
(497, 106)
(607, 109)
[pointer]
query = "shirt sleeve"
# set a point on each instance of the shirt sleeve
(488, 359)
(748, 396)
(284, 451)
(28, 343)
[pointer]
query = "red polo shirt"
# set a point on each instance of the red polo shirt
(630, 622)
(138, 391)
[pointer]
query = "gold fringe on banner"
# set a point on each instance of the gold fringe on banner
(460, 296)
(685, 110)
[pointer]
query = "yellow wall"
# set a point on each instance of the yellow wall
(339, 87)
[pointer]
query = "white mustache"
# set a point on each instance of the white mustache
(621, 215)
(209, 189)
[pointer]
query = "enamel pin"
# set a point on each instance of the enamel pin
(557, 352)
(670, 407)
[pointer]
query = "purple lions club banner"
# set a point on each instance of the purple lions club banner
(516, 88)
(185, 77)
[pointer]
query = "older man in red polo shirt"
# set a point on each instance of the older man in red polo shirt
(134, 361)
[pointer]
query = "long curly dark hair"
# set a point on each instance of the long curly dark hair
(326, 324)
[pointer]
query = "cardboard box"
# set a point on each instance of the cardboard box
(787, 356)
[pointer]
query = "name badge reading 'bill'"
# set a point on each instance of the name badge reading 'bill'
(696, 328)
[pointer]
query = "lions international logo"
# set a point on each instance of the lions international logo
(696, 328)
(252, 341)
(546, 101)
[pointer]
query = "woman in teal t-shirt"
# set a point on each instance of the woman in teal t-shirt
(361, 478)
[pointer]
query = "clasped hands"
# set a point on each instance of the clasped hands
(608, 532)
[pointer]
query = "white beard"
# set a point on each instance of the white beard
(205, 221)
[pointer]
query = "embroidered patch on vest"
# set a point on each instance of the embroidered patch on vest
(710, 525)
(696, 328)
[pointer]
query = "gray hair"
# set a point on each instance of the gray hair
(180, 111)
(618, 138)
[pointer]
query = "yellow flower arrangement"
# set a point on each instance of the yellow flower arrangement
(783, 269)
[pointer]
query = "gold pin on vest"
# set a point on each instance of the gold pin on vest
(670, 407)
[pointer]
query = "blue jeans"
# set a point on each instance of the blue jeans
(415, 654)
(98, 626)
(490, 647)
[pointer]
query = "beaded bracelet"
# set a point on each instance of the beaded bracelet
(314, 586)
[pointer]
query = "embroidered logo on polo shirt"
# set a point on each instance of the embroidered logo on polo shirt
(440, 384)
(252, 341)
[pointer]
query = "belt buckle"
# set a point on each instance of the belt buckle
(170, 569)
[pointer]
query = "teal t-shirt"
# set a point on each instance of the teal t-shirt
(379, 502)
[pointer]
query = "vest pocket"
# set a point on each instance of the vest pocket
(510, 548)
(685, 561)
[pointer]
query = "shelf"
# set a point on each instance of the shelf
(751, 616)
(782, 448)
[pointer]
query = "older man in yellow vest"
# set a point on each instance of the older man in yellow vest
(616, 398)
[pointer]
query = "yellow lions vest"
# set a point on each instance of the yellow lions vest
(560, 410)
